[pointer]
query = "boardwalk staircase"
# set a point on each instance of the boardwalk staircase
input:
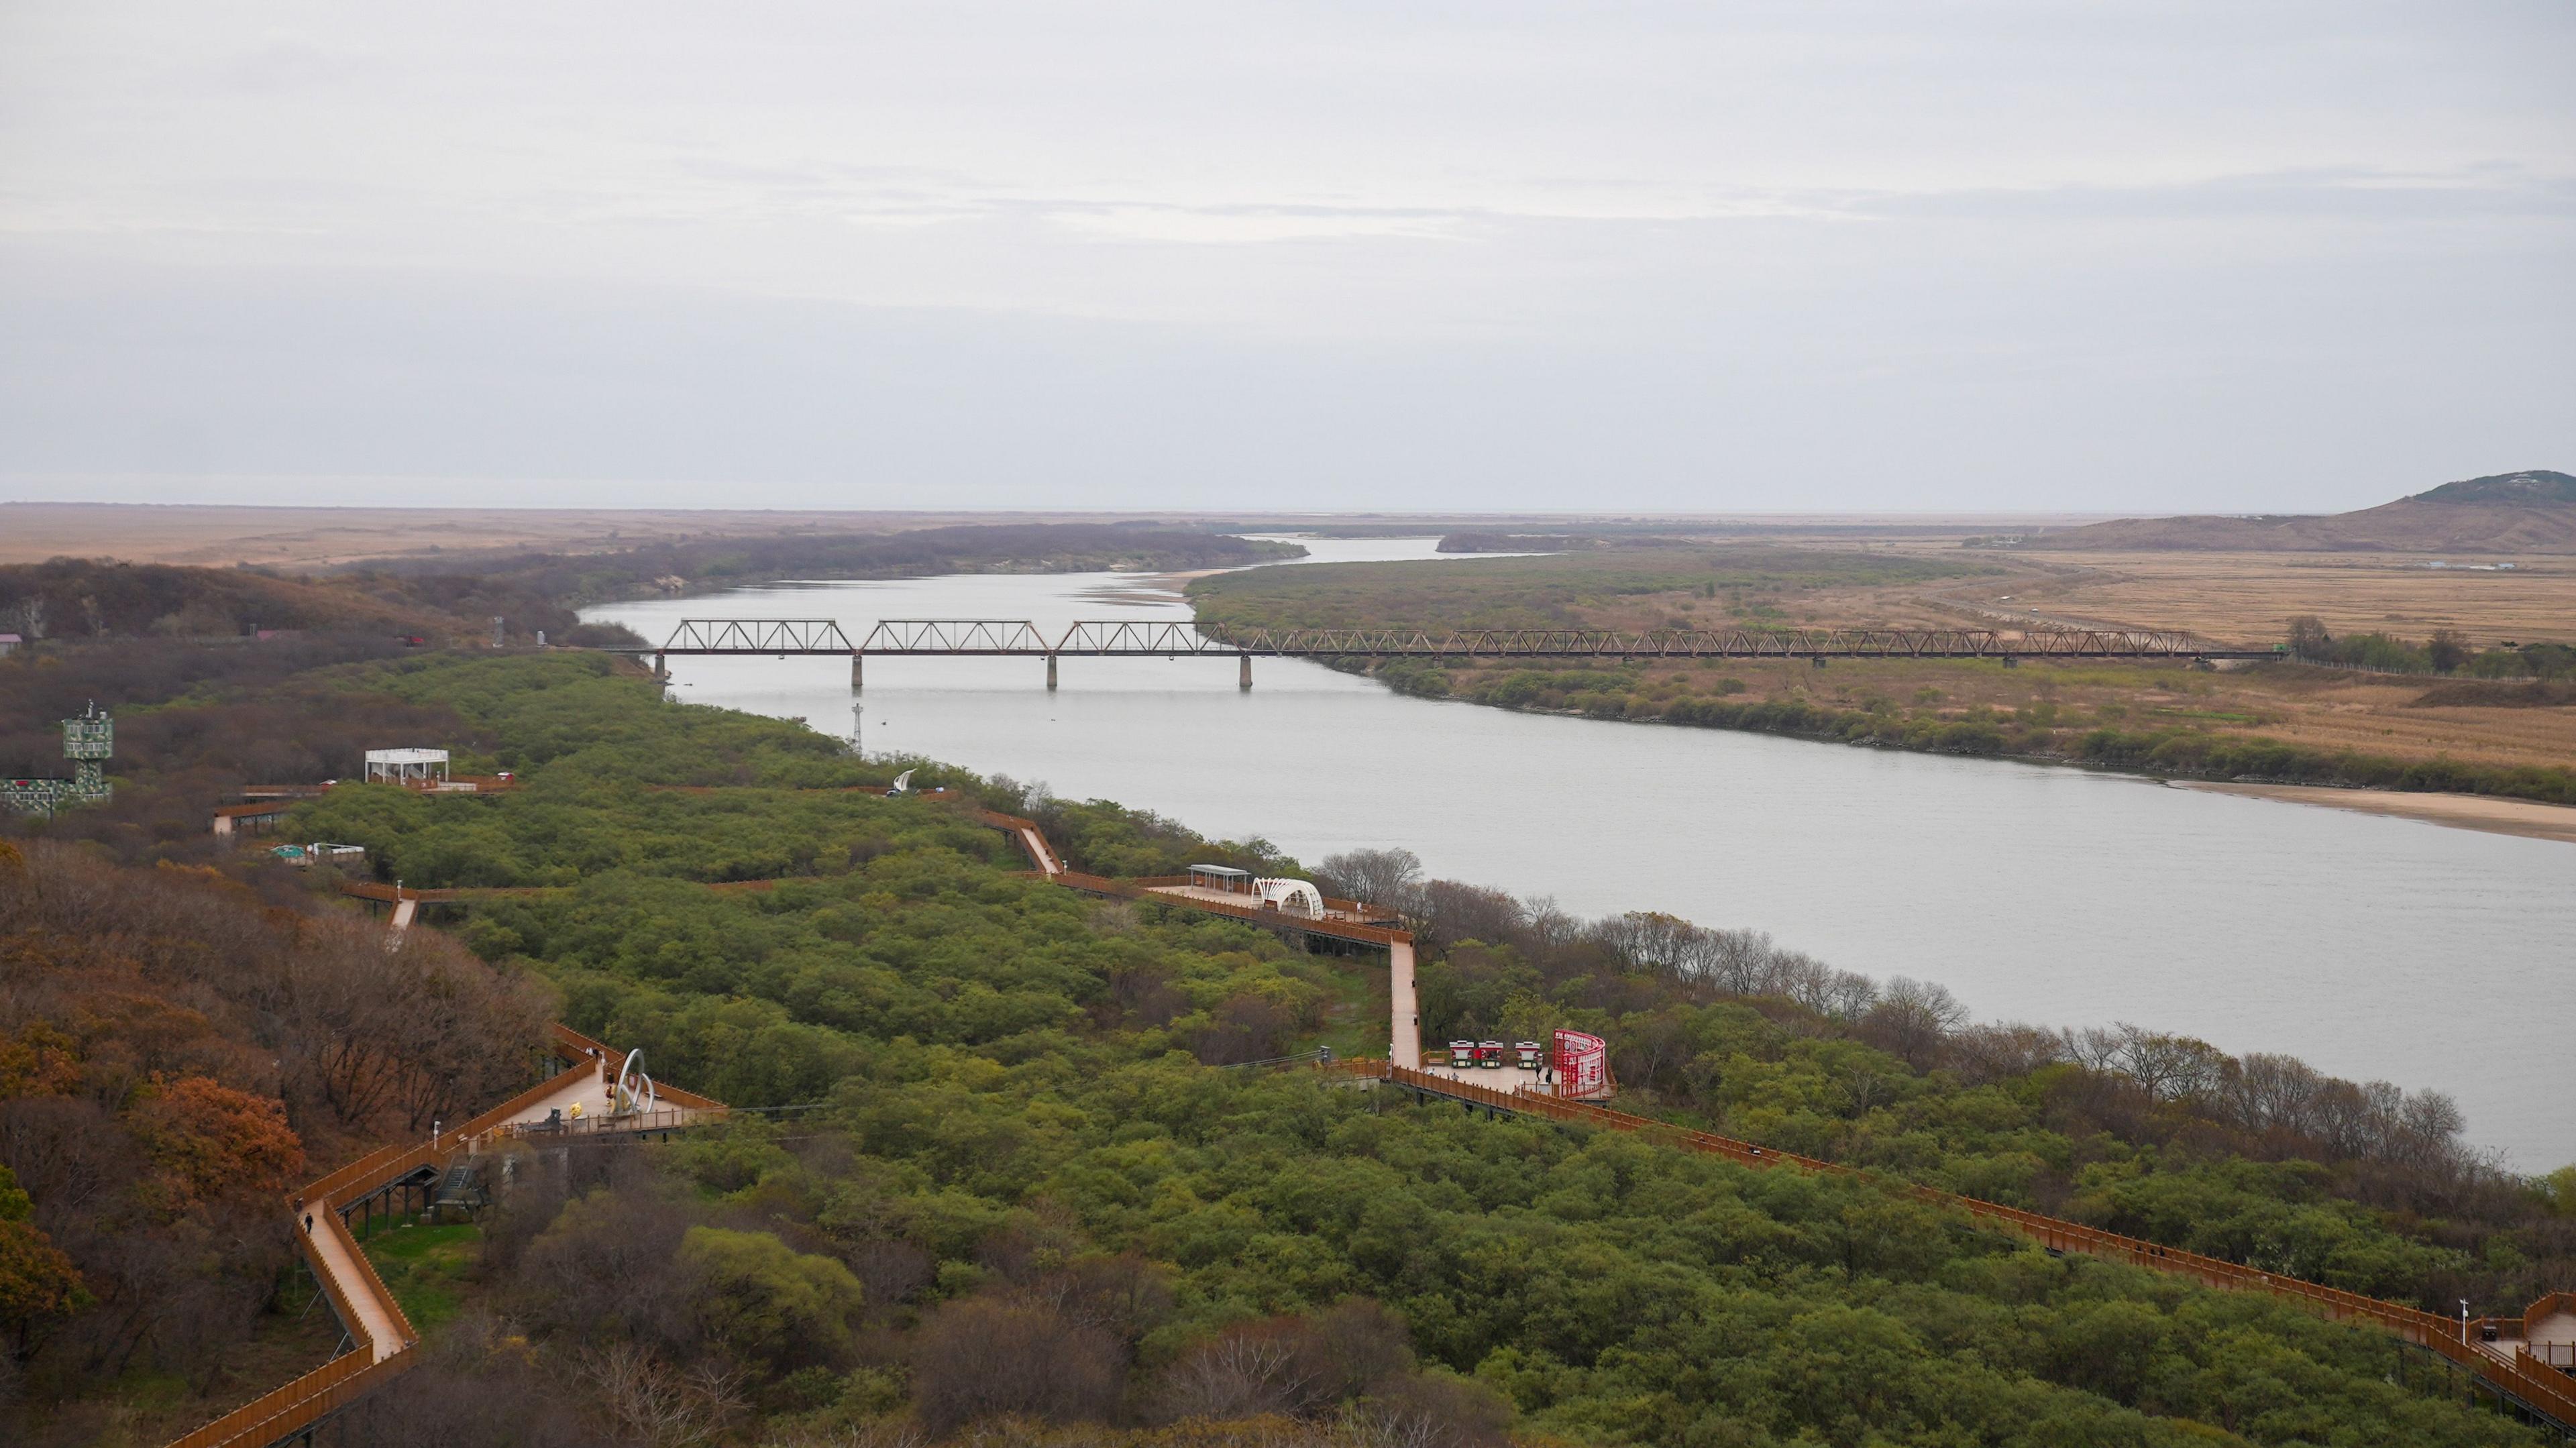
(460, 1189)
(382, 1338)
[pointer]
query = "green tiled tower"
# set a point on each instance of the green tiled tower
(89, 741)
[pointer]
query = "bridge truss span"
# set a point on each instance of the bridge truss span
(1141, 638)
(1016, 637)
(758, 636)
(1713, 643)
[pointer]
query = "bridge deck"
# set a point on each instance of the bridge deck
(381, 1335)
(584, 1089)
(1128, 638)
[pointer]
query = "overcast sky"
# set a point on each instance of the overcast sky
(1889, 254)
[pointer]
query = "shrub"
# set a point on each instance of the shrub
(983, 1357)
(768, 1302)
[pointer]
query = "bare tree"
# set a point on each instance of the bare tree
(1452, 912)
(1392, 878)
(1913, 1019)
(2000, 1052)
(2170, 1067)
(1245, 1371)
(1415, 1411)
(665, 1406)
(2309, 639)
(981, 1357)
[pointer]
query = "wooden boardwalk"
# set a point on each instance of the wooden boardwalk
(382, 1338)
(2519, 1364)
(2507, 1367)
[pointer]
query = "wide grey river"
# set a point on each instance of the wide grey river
(2374, 948)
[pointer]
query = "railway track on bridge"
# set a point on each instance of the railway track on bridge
(1133, 638)
(1189, 640)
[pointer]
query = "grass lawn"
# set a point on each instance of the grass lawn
(426, 1268)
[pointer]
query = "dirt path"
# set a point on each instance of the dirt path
(2460, 811)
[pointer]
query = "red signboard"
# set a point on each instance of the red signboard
(1582, 1065)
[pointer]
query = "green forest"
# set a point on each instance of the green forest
(1036, 1196)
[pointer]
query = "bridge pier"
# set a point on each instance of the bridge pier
(1244, 680)
(856, 660)
(662, 670)
(1050, 673)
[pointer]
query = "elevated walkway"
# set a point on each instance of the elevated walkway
(2506, 1367)
(382, 1338)
(2519, 1361)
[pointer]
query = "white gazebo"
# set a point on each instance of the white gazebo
(1291, 897)
(407, 766)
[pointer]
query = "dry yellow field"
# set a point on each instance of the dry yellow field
(293, 537)
(2251, 597)
(2239, 598)
(2321, 708)
(318, 537)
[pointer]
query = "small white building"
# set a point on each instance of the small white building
(415, 767)
(1223, 878)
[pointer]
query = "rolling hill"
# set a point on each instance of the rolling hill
(2533, 511)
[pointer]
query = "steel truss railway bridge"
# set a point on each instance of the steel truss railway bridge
(1172, 639)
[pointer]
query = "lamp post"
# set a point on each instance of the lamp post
(2464, 1322)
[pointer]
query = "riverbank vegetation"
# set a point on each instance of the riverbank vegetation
(1029, 1193)
(1685, 587)
(453, 597)
(2486, 720)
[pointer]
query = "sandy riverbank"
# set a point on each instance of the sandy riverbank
(2460, 811)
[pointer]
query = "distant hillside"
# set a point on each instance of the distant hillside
(79, 598)
(453, 597)
(2533, 511)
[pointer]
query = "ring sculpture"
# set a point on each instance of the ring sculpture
(634, 1093)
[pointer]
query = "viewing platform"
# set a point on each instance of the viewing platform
(1223, 885)
(2545, 1334)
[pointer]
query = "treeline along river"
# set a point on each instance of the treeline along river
(2374, 948)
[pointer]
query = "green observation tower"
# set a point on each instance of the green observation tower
(89, 741)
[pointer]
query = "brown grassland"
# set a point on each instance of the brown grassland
(2238, 599)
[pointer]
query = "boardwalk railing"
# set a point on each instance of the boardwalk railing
(2524, 1377)
(625, 1123)
(1272, 919)
(299, 1404)
(309, 1399)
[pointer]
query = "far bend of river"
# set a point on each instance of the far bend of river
(2373, 948)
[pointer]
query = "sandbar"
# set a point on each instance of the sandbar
(2525, 817)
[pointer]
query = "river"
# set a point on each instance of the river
(2374, 948)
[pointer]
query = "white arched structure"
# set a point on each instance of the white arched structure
(1291, 897)
(634, 1092)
